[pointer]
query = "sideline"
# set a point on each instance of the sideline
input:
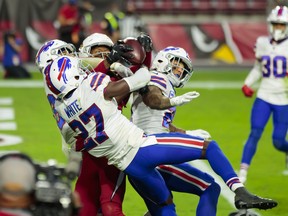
(192, 84)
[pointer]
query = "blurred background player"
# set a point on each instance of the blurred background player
(110, 22)
(152, 112)
(12, 57)
(74, 21)
(272, 97)
(131, 25)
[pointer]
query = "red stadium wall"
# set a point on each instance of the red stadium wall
(230, 43)
(225, 42)
(220, 42)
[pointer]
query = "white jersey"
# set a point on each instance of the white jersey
(62, 125)
(106, 131)
(152, 120)
(271, 66)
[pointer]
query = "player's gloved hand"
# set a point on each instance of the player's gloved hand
(183, 99)
(121, 70)
(146, 41)
(199, 133)
(119, 52)
(248, 92)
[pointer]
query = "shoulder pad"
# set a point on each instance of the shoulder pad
(158, 79)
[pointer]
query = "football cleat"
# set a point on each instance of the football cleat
(246, 200)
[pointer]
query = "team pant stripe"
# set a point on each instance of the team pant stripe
(185, 176)
(181, 141)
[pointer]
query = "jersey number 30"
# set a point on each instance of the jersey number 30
(276, 65)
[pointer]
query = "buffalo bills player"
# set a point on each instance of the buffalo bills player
(89, 106)
(107, 190)
(272, 96)
(49, 51)
(153, 112)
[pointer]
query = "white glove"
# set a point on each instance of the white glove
(199, 133)
(121, 70)
(183, 99)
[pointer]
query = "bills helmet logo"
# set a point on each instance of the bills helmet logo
(64, 64)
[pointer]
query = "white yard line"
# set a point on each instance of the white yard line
(215, 84)
(6, 101)
(7, 114)
(21, 84)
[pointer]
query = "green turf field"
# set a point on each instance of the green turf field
(221, 109)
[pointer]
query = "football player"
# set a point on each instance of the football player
(89, 106)
(49, 51)
(153, 112)
(272, 96)
(107, 195)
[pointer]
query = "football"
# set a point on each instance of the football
(138, 52)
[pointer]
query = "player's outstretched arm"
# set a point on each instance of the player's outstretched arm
(154, 98)
(129, 84)
(254, 75)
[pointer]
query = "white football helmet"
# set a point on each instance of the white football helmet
(51, 50)
(96, 39)
(163, 64)
(64, 75)
(278, 15)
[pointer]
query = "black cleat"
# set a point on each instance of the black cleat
(246, 200)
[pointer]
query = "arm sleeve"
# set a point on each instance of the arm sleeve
(254, 75)
(138, 80)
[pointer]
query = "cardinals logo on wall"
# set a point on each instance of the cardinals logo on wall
(216, 41)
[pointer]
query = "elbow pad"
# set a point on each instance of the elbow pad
(138, 80)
